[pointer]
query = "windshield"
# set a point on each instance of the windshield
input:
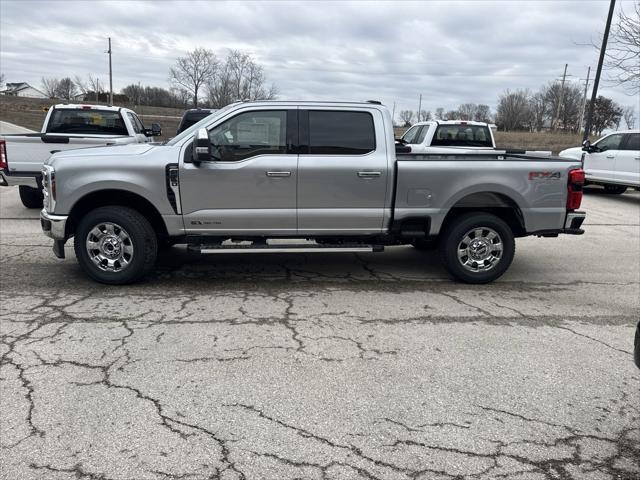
(462, 136)
(205, 121)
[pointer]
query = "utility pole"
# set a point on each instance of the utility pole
(596, 81)
(393, 114)
(557, 117)
(97, 89)
(110, 75)
(419, 107)
(584, 100)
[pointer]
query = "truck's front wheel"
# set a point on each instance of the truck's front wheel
(477, 247)
(115, 245)
(31, 197)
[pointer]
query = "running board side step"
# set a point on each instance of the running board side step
(207, 249)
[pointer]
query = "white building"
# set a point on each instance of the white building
(22, 89)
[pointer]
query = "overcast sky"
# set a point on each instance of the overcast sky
(450, 52)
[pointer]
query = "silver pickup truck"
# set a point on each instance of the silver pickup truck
(268, 177)
(66, 127)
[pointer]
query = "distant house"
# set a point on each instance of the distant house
(22, 89)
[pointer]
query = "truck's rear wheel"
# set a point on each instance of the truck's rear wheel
(477, 247)
(31, 197)
(615, 189)
(115, 245)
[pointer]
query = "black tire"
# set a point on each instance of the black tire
(425, 244)
(456, 231)
(614, 189)
(31, 197)
(141, 237)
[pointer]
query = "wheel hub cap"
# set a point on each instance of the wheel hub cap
(480, 249)
(109, 247)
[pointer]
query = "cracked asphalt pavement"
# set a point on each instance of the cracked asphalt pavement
(325, 366)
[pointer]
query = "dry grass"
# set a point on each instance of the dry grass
(30, 113)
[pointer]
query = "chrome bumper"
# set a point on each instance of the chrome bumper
(53, 226)
(10, 180)
(574, 220)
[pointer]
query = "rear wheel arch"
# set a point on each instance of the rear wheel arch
(115, 197)
(499, 204)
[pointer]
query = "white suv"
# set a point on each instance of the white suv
(613, 161)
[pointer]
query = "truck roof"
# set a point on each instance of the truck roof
(452, 122)
(86, 106)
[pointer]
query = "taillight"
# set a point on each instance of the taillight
(574, 189)
(4, 163)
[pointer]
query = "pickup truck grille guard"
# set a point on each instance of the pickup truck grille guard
(173, 187)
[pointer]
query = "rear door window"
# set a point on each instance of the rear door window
(87, 122)
(462, 136)
(341, 133)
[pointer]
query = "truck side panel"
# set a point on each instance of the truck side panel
(431, 188)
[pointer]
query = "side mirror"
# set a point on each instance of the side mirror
(154, 131)
(586, 145)
(201, 150)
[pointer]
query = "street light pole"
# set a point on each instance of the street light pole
(596, 81)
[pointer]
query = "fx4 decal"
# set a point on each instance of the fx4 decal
(543, 175)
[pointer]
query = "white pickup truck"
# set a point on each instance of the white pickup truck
(450, 136)
(65, 127)
(613, 161)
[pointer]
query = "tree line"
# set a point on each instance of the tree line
(199, 79)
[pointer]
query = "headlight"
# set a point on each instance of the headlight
(49, 188)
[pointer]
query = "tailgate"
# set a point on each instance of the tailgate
(27, 154)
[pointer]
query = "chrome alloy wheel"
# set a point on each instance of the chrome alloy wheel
(110, 247)
(480, 249)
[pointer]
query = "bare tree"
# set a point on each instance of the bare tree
(513, 110)
(451, 115)
(50, 87)
(193, 71)
(1, 79)
(66, 90)
(466, 111)
(571, 107)
(623, 51)
(629, 114)
(482, 113)
(239, 78)
(539, 110)
(424, 116)
(439, 113)
(407, 117)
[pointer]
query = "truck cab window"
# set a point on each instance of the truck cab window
(135, 123)
(87, 122)
(341, 133)
(250, 134)
(633, 141)
(411, 135)
(462, 135)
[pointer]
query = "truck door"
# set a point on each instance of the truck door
(600, 164)
(628, 160)
(342, 171)
(249, 187)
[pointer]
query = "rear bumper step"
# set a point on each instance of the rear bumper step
(301, 248)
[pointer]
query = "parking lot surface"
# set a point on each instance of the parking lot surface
(334, 366)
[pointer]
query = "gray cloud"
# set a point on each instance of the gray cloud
(451, 52)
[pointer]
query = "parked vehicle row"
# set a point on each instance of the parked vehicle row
(327, 173)
(66, 127)
(613, 161)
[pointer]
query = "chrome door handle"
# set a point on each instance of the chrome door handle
(278, 174)
(369, 174)
(611, 156)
